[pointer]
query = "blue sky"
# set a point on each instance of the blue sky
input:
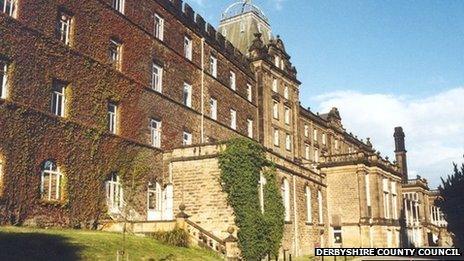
(403, 60)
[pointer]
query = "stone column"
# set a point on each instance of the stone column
(231, 244)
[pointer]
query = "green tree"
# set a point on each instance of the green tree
(451, 202)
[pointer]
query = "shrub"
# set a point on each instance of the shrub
(177, 237)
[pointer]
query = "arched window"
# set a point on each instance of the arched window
(286, 198)
(319, 201)
(51, 181)
(114, 194)
(309, 216)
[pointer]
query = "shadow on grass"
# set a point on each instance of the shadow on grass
(36, 246)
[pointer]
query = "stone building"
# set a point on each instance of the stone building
(92, 90)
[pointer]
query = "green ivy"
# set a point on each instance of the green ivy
(241, 164)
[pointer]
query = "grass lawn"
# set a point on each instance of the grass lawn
(19, 243)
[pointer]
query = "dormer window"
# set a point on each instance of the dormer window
(277, 61)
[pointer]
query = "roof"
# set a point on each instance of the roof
(241, 7)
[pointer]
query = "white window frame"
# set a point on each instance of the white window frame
(58, 105)
(112, 118)
(287, 115)
(9, 7)
(285, 189)
(309, 214)
(307, 152)
(276, 137)
(114, 194)
(233, 81)
(158, 27)
(275, 109)
(250, 128)
(277, 61)
(316, 155)
(119, 5)
(324, 138)
(115, 53)
(64, 27)
(51, 170)
(213, 66)
(3, 79)
(306, 130)
(233, 119)
(249, 93)
(315, 134)
(394, 200)
(286, 92)
(186, 138)
(213, 108)
(275, 85)
(320, 201)
(288, 142)
(187, 95)
(188, 48)
(155, 133)
(157, 77)
(386, 199)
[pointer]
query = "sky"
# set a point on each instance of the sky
(383, 63)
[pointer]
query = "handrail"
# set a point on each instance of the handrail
(202, 230)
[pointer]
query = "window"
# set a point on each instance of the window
(394, 200)
(316, 155)
(213, 105)
(159, 27)
(309, 215)
(118, 5)
(187, 95)
(319, 202)
(233, 119)
(242, 27)
(188, 48)
(288, 142)
(336, 144)
(224, 31)
(306, 130)
(249, 93)
(262, 183)
(386, 201)
(276, 137)
(187, 138)
(155, 133)
(250, 128)
(277, 61)
(213, 66)
(114, 194)
(233, 81)
(275, 110)
(154, 197)
(157, 77)
(115, 53)
(315, 134)
(307, 151)
(63, 28)
(274, 85)
(368, 194)
(8, 7)
(59, 98)
(50, 181)
(287, 115)
(112, 117)
(286, 92)
(285, 188)
(324, 138)
(3, 79)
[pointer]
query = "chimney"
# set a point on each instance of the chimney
(400, 152)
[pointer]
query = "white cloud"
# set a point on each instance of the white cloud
(434, 126)
(278, 4)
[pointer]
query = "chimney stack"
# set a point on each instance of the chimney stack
(400, 152)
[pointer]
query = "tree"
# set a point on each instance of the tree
(451, 202)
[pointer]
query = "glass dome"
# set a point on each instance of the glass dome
(242, 7)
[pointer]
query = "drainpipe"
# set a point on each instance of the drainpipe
(202, 90)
